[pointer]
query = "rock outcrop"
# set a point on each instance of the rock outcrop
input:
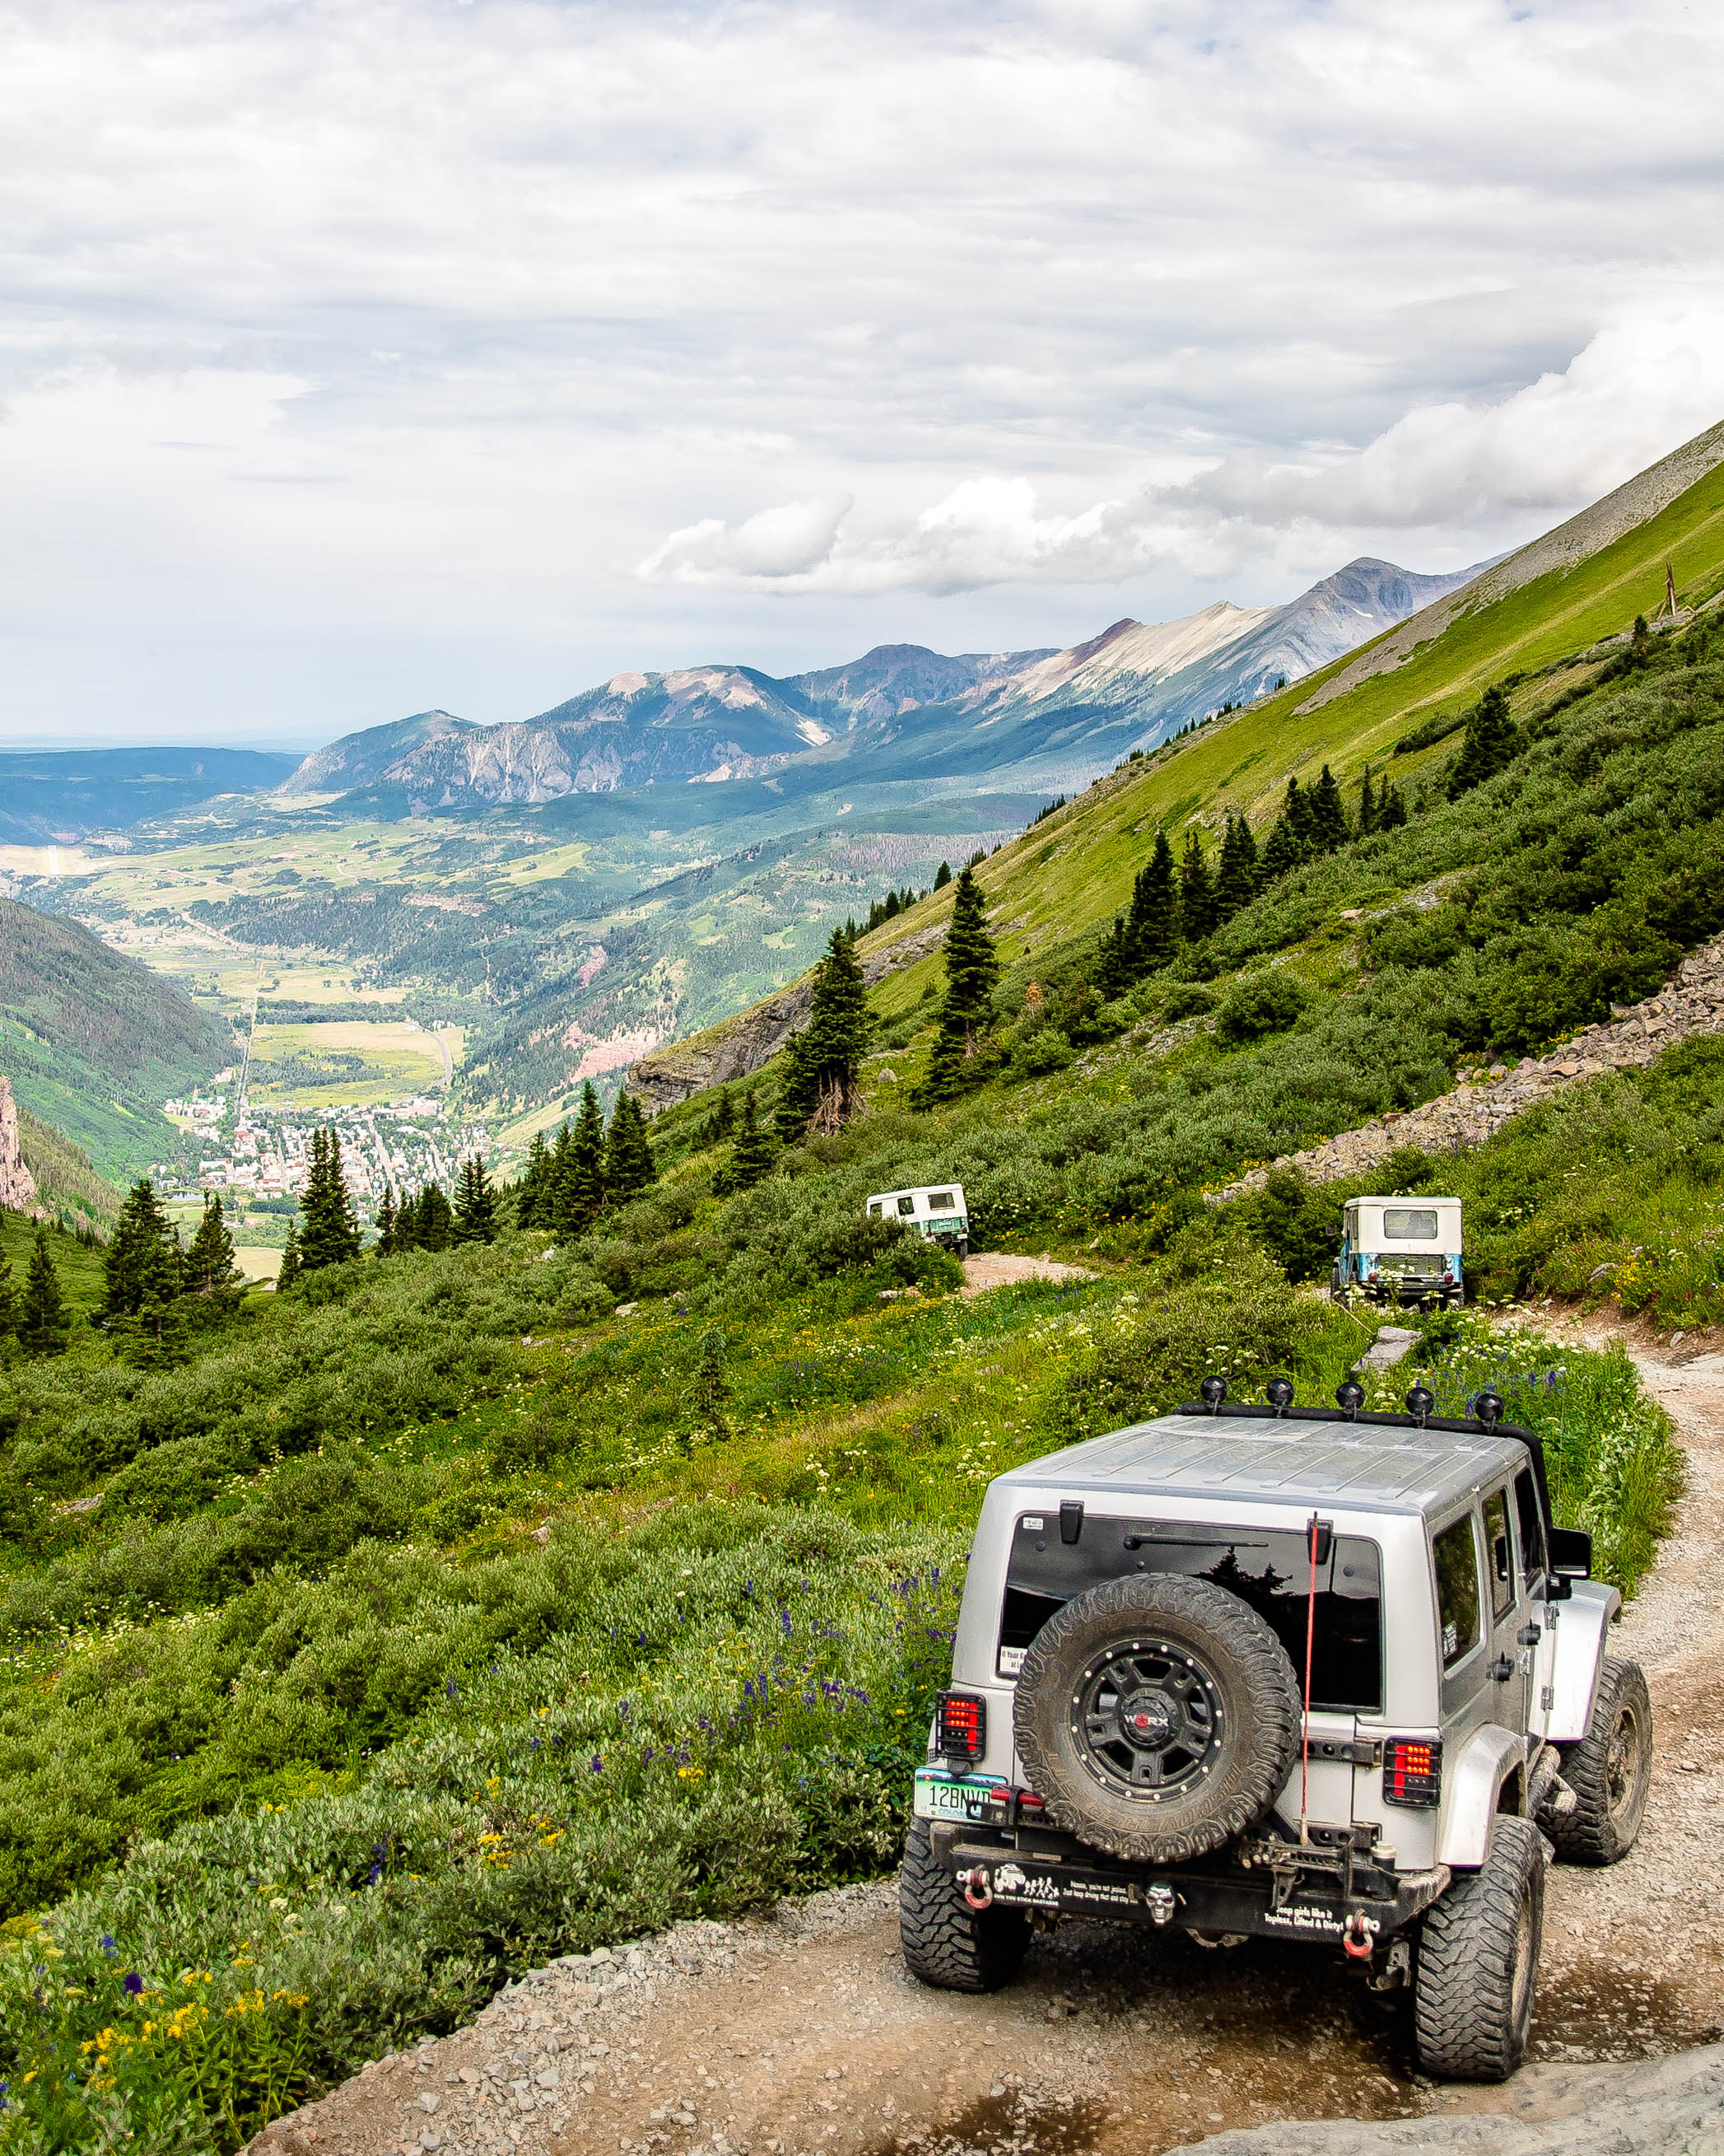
(1691, 1003)
(1670, 2107)
(737, 1046)
(18, 1186)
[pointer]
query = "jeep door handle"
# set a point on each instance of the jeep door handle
(1531, 1635)
(1502, 1669)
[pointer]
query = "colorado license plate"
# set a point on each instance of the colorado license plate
(937, 1796)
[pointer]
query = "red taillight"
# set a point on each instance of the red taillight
(1413, 1772)
(962, 1721)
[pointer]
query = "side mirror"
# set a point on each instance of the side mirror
(1571, 1553)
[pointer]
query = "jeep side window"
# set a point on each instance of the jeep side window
(1503, 1555)
(1457, 1590)
(1531, 1525)
(906, 1206)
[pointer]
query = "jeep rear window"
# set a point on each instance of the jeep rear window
(1403, 1225)
(1269, 1570)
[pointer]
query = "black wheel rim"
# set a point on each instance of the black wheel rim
(1147, 1720)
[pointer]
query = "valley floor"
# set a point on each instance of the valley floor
(802, 2032)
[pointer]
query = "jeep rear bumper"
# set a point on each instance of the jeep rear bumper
(1281, 1892)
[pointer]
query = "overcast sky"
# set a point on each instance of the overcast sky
(362, 356)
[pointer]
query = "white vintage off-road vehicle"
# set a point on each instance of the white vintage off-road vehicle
(936, 1211)
(1294, 1673)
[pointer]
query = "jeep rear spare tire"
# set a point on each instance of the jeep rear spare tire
(1157, 1716)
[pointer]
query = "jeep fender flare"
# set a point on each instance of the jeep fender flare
(1581, 1623)
(1475, 1790)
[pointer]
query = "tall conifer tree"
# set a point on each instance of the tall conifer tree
(329, 1230)
(210, 1270)
(628, 1156)
(1236, 884)
(580, 1197)
(819, 1088)
(752, 1155)
(1152, 927)
(1197, 913)
(1491, 742)
(475, 1203)
(971, 970)
(1328, 814)
(42, 1319)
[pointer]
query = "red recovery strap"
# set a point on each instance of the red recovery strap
(1311, 1634)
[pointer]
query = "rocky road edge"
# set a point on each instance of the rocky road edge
(1690, 1004)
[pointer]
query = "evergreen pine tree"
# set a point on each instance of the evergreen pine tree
(727, 1117)
(752, 1155)
(143, 1249)
(580, 1198)
(210, 1271)
(532, 1192)
(1152, 927)
(1491, 742)
(1115, 972)
(942, 875)
(971, 970)
(1391, 808)
(821, 1071)
(384, 1223)
(291, 1266)
(1197, 913)
(329, 1230)
(559, 1179)
(1328, 814)
(42, 1320)
(628, 1156)
(1286, 847)
(475, 1203)
(433, 1219)
(1236, 884)
(1368, 806)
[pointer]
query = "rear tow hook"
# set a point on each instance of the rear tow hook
(978, 1888)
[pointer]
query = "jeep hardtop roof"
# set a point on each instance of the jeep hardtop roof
(1390, 1464)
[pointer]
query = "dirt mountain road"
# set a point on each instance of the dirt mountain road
(802, 2034)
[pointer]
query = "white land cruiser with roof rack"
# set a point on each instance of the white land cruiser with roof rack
(1293, 1673)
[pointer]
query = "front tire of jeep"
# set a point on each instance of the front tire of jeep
(1610, 1770)
(1478, 1961)
(946, 1943)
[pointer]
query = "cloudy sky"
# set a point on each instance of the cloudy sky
(361, 356)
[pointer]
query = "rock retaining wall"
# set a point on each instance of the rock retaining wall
(1691, 1003)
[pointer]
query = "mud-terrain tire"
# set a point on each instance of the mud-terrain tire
(1157, 1716)
(946, 1942)
(1478, 1961)
(1610, 1770)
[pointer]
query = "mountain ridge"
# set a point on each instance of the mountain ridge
(1056, 716)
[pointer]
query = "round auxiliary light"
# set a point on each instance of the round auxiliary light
(1211, 1392)
(1419, 1403)
(1349, 1397)
(1278, 1393)
(1488, 1408)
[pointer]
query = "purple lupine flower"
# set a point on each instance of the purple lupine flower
(107, 1945)
(133, 1983)
(375, 1874)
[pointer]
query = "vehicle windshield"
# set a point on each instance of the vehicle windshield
(1269, 1570)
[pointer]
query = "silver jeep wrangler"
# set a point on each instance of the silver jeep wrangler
(1312, 1674)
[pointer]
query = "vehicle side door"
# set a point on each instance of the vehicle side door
(1463, 1628)
(1508, 1604)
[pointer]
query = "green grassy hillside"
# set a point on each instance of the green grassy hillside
(66, 1185)
(93, 1042)
(1074, 871)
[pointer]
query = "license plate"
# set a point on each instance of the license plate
(938, 1797)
